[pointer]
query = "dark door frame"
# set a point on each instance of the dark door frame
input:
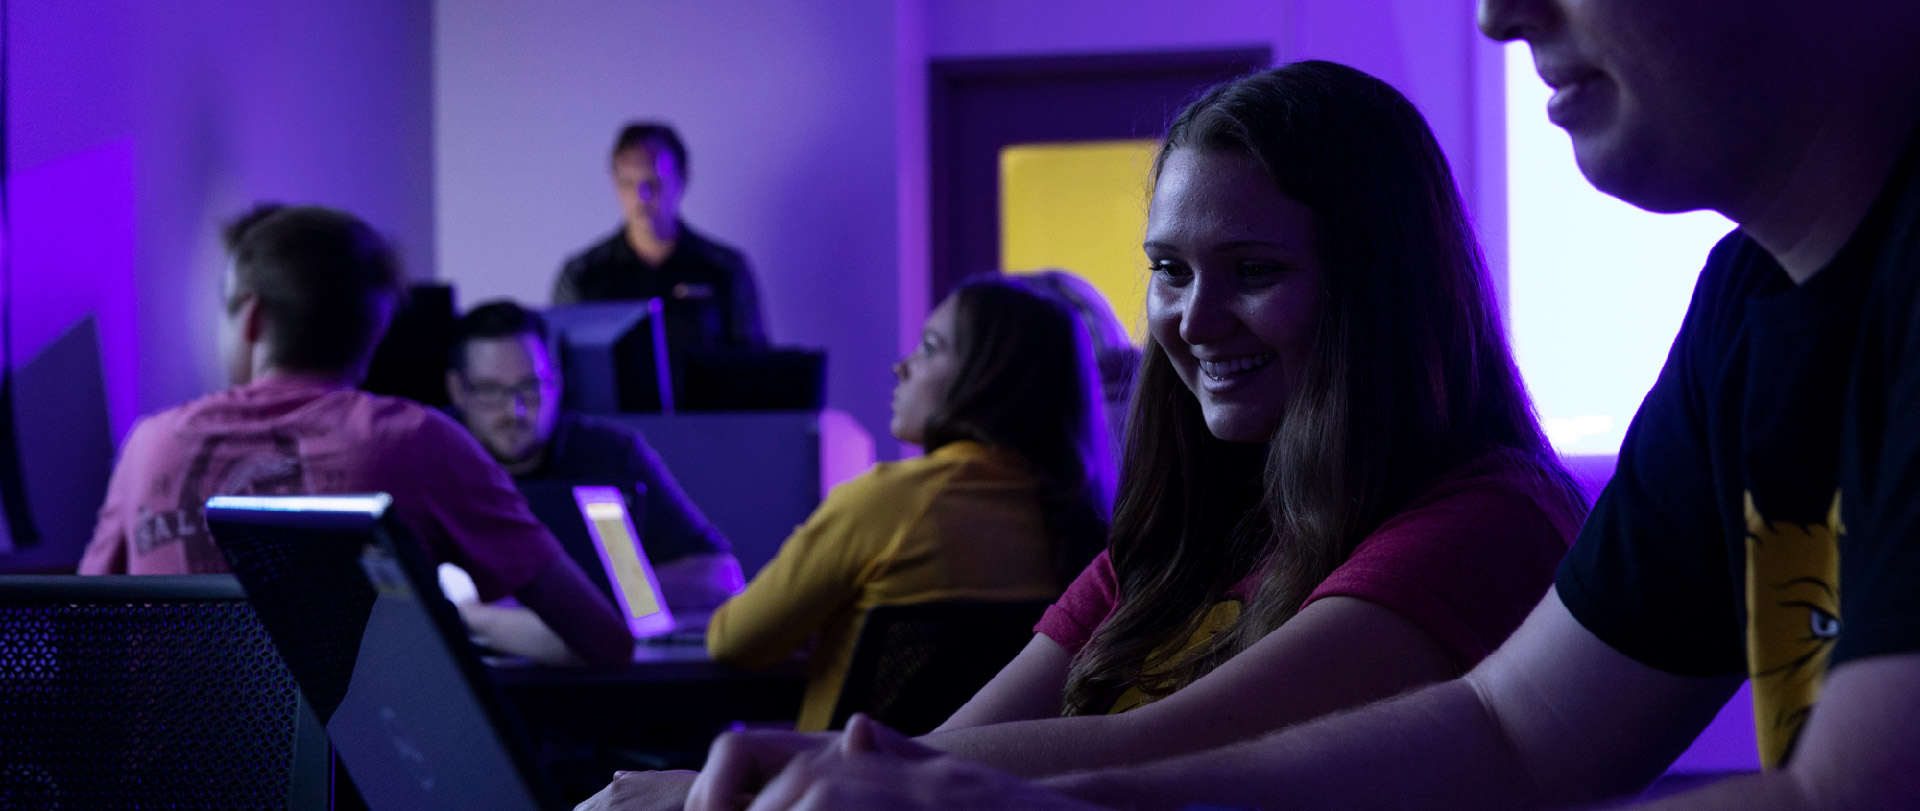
(978, 106)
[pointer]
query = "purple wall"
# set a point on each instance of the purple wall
(788, 110)
(139, 125)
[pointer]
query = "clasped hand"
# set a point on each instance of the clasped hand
(867, 767)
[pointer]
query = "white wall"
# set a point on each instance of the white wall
(1599, 287)
(788, 109)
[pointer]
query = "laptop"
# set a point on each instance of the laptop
(637, 590)
(596, 525)
(354, 607)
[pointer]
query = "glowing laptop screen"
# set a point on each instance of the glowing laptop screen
(634, 584)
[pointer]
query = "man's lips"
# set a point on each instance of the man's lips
(1559, 75)
(1576, 89)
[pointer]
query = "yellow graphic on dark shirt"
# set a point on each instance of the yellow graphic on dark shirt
(1219, 618)
(1793, 618)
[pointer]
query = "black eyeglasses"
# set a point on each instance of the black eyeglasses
(495, 395)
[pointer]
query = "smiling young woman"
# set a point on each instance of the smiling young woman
(1333, 418)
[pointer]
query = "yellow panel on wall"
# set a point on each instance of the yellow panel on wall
(1081, 207)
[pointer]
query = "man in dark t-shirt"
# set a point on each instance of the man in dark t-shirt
(1764, 522)
(706, 288)
(506, 390)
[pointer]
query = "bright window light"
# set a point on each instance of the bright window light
(1596, 287)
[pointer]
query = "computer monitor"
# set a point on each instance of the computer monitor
(56, 452)
(355, 608)
(752, 380)
(613, 356)
(412, 358)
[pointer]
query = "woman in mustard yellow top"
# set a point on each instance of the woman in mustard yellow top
(1009, 503)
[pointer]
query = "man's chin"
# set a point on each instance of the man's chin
(517, 455)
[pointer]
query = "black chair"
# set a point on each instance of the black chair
(914, 665)
(148, 692)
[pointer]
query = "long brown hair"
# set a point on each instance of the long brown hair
(1027, 382)
(1410, 376)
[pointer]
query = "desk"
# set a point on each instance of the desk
(669, 693)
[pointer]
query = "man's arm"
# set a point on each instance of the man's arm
(1860, 749)
(567, 607)
(1555, 716)
(1337, 653)
(699, 582)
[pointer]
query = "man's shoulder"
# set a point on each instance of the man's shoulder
(713, 250)
(1738, 263)
(182, 414)
(588, 446)
(397, 423)
(399, 414)
(603, 252)
(235, 408)
(152, 433)
(1737, 271)
(595, 430)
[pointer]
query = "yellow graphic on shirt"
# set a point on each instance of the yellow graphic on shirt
(1793, 619)
(1219, 618)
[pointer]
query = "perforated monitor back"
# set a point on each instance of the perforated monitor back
(150, 692)
(313, 573)
(353, 604)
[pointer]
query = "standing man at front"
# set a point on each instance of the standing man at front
(706, 287)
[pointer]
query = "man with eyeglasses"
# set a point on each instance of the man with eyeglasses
(507, 390)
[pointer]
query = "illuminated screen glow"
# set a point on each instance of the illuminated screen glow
(610, 521)
(1596, 287)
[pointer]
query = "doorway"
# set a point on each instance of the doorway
(980, 108)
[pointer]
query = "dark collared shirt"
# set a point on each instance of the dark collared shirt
(585, 448)
(705, 287)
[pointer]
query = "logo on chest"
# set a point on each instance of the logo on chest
(1793, 620)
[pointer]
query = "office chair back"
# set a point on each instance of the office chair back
(914, 665)
(148, 692)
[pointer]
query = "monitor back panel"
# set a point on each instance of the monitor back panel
(382, 657)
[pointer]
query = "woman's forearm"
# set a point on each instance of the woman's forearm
(1054, 745)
